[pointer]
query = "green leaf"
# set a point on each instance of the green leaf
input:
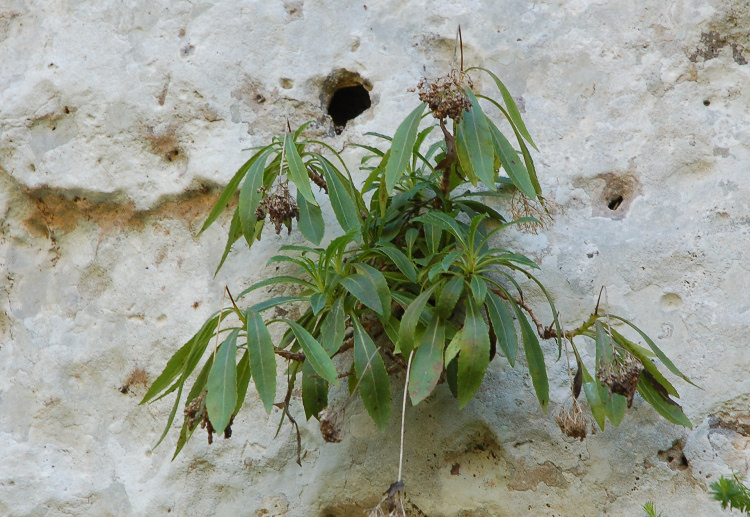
(450, 259)
(409, 322)
(433, 233)
(317, 302)
(401, 261)
(174, 367)
(314, 353)
(480, 208)
(449, 296)
(250, 198)
(311, 222)
(333, 329)
(661, 402)
(447, 223)
(171, 416)
(262, 358)
(379, 283)
(314, 391)
(615, 407)
(502, 322)
(534, 359)
(475, 354)
(454, 347)
(661, 355)
(401, 147)
(276, 301)
(230, 189)
(297, 170)
(428, 361)
(222, 384)
(374, 386)
(473, 134)
(478, 289)
(276, 280)
(511, 162)
(344, 207)
(513, 114)
(243, 380)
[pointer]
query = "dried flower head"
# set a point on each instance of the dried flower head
(279, 205)
(196, 413)
(572, 422)
(621, 376)
(445, 96)
(317, 178)
(331, 425)
(541, 209)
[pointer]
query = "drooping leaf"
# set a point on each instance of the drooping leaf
(222, 384)
(262, 358)
(250, 197)
(511, 162)
(513, 114)
(311, 222)
(428, 361)
(473, 133)
(409, 322)
(297, 170)
(314, 353)
(401, 147)
(454, 347)
(661, 355)
(230, 189)
(475, 353)
(449, 296)
(374, 385)
(615, 407)
(641, 354)
(660, 401)
(502, 322)
(172, 414)
(534, 359)
(234, 234)
(433, 234)
(314, 391)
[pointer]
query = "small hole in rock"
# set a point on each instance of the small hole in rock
(615, 203)
(348, 103)
(707, 102)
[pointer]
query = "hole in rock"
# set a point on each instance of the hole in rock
(707, 102)
(615, 203)
(348, 103)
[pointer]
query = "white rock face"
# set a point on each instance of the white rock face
(120, 120)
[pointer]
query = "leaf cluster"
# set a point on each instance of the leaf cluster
(731, 493)
(417, 267)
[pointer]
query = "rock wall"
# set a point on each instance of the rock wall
(121, 121)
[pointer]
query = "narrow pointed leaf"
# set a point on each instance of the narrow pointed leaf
(475, 354)
(615, 407)
(314, 353)
(234, 234)
(513, 114)
(454, 347)
(380, 285)
(401, 147)
(428, 361)
(502, 322)
(534, 359)
(661, 355)
(311, 222)
(641, 354)
(222, 384)
(374, 386)
(262, 358)
(512, 163)
(317, 302)
(297, 170)
(171, 416)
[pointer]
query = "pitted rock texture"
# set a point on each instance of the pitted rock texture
(121, 121)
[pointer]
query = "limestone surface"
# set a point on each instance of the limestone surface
(120, 122)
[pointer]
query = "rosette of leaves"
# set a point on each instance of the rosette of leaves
(417, 265)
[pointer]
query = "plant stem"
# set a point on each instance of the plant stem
(403, 417)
